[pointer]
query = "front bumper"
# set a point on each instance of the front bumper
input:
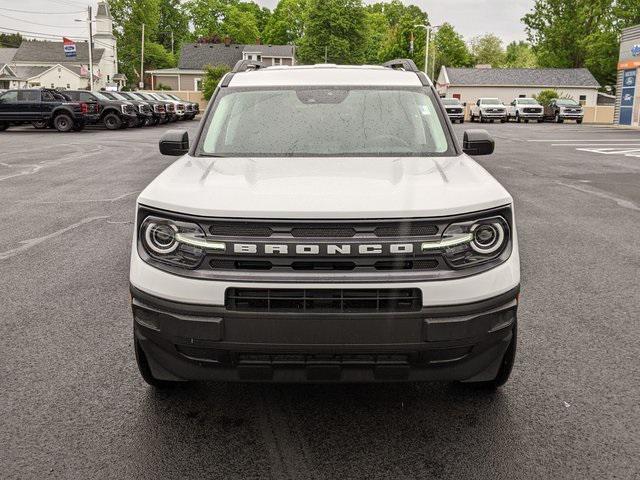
(571, 115)
(204, 342)
(494, 114)
(530, 114)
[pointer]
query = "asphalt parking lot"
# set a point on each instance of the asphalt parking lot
(72, 404)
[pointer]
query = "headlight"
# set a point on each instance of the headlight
(470, 243)
(174, 242)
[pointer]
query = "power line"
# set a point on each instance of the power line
(31, 12)
(35, 23)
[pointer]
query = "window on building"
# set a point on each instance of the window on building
(53, 85)
(456, 95)
(197, 84)
(276, 61)
(522, 96)
(583, 99)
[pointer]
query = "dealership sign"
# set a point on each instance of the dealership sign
(69, 47)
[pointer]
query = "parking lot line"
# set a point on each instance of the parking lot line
(585, 144)
(547, 140)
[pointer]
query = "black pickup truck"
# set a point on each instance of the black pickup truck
(114, 114)
(45, 108)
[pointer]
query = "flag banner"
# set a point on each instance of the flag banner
(69, 47)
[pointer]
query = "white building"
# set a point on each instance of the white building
(506, 84)
(44, 64)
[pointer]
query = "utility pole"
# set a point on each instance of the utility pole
(171, 42)
(90, 49)
(141, 84)
(326, 50)
(426, 47)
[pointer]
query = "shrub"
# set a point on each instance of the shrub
(212, 77)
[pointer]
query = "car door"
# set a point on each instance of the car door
(8, 101)
(49, 102)
(28, 105)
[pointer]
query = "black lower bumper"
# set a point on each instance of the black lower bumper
(197, 342)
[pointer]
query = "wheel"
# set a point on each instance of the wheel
(145, 371)
(481, 119)
(506, 366)
(579, 121)
(78, 127)
(112, 121)
(3, 126)
(518, 119)
(558, 118)
(503, 120)
(462, 120)
(63, 122)
(526, 120)
(491, 120)
(40, 124)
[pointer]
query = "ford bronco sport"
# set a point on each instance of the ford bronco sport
(325, 225)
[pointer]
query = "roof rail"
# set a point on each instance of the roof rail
(401, 64)
(245, 65)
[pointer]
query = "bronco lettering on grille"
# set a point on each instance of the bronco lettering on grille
(323, 249)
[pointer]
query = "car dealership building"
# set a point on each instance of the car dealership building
(628, 91)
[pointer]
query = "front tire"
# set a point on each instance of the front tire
(112, 121)
(558, 118)
(579, 121)
(78, 127)
(63, 123)
(3, 126)
(518, 119)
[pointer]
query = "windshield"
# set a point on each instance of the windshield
(450, 101)
(100, 96)
(490, 101)
(117, 96)
(567, 102)
(298, 122)
(527, 101)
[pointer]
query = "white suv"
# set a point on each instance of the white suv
(325, 225)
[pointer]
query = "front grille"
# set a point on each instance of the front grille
(323, 300)
(454, 110)
(324, 265)
(408, 228)
(532, 110)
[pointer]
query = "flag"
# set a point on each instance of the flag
(69, 47)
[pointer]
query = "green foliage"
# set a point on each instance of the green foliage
(285, 25)
(10, 40)
(212, 77)
(520, 55)
(128, 18)
(544, 97)
(162, 86)
(450, 49)
(173, 18)
(487, 50)
(580, 33)
(240, 25)
(242, 21)
(206, 16)
(336, 27)
(394, 41)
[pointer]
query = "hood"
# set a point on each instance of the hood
(323, 187)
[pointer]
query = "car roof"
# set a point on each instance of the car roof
(325, 75)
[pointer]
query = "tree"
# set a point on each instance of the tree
(240, 25)
(212, 77)
(402, 20)
(544, 97)
(450, 49)
(580, 33)
(10, 40)
(520, 55)
(487, 50)
(261, 14)
(173, 19)
(206, 16)
(285, 25)
(128, 18)
(336, 27)
(376, 26)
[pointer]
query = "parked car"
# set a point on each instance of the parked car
(144, 112)
(192, 108)
(488, 109)
(455, 109)
(280, 252)
(160, 112)
(175, 108)
(525, 109)
(114, 114)
(45, 108)
(561, 109)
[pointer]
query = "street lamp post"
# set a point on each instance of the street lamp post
(428, 30)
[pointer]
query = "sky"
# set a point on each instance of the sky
(469, 17)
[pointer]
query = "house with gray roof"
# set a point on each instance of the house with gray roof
(195, 57)
(507, 84)
(44, 63)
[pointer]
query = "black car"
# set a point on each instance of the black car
(114, 114)
(143, 110)
(161, 113)
(561, 109)
(158, 111)
(455, 110)
(45, 108)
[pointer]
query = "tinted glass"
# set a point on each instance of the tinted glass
(450, 101)
(527, 101)
(567, 102)
(29, 96)
(298, 122)
(490, 101)
(11, 96)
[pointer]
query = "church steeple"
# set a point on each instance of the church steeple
(104, 38)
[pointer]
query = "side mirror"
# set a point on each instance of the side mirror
(477, 142)
(174, 142)
(464, 104)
